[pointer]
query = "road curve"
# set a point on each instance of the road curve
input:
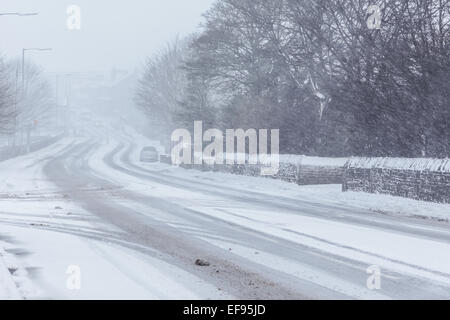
(246, 262)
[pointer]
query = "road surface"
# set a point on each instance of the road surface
(263, 239)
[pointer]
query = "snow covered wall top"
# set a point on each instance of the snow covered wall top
(313, 161)
(298, 160)
(417, 164)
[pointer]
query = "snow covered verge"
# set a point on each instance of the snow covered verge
(8, 289)
(9, 152)
(15, 280)
(420, 179)
(332, 195)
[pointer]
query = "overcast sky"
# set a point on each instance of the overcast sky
(114, 33)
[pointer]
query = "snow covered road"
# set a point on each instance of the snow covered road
(135, 231)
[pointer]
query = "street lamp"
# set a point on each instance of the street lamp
(20, 14)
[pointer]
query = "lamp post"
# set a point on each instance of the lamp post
(67, 99)
(19, 14)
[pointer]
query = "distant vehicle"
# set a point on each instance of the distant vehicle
(149, 154)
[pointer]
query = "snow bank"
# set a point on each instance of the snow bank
(38, 143)
(8, 289)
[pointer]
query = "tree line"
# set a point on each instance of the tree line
(315, 70)
(24, 101)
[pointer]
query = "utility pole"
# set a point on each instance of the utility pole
(56, 102)
(67, 100)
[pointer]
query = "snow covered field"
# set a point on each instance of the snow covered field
(134, 231)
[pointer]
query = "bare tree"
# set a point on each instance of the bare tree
(7, 98)
(34, 98)
(163, 84)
